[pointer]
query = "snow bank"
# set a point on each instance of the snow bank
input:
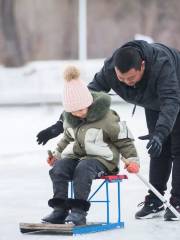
(40, 82)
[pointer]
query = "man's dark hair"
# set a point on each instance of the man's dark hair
(127, 58)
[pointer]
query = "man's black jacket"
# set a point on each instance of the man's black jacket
(158, 90)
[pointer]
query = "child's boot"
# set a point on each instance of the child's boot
(78, 212)
(59, 213)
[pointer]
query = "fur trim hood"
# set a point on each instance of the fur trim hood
(98, 109)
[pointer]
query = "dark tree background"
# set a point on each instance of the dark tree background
(48, 29)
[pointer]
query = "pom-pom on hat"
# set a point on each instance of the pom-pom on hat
(76, 95)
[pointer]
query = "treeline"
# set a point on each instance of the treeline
(48, 29)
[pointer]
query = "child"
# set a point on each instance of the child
(93, 139)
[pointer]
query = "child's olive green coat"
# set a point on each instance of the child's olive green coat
(101, 135)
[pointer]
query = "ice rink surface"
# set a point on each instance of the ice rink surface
(25, 186)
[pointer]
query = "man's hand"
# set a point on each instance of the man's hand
(132, 167)
(50, 132)
(154, 145)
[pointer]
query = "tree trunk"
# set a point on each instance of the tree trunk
(8, 27)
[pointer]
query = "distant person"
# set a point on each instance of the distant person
(147, 75)
(93, 139)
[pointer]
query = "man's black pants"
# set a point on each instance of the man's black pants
(160, 168)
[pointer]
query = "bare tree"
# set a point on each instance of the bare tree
(8, 27)
(48, 29)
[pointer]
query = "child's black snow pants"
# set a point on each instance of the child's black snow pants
(81, 172)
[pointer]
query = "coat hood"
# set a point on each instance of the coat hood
(98, 109)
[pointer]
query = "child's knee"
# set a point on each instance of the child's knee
(56, 169)
(83, 165)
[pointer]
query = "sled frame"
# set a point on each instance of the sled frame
(107, 225)
(90, 227)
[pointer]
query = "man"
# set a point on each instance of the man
(147, 75)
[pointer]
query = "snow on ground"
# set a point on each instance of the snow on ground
(25, 186)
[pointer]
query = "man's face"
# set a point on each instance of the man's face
(80, 113)
(131, 77)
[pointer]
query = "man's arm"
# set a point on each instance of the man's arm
(102, 78)
(51, 132)
(169, 97)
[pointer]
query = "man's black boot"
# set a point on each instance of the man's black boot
(169, 215)
(152, 207)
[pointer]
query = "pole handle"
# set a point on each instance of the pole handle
(155, 191)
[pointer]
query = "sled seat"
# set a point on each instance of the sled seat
(104, 184)
(111, 178)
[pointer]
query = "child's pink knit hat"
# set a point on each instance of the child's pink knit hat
(76, 95)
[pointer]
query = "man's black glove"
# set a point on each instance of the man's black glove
(154, 145)
(50, 132)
